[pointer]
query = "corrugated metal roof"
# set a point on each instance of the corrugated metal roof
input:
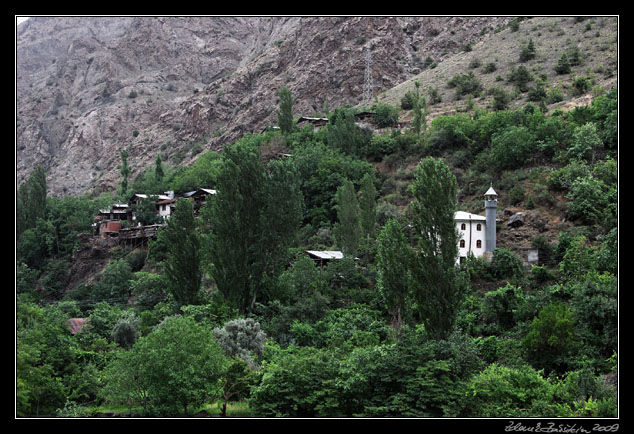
(462, 215)
(326, 254)
(200, 190)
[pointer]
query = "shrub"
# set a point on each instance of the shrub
(407, 101)
(501, 391)
(528, 52)
(506, 264)
(563, 65)
(465, 84)
(385, 115)
(500, 305)
(434, 96)
(489, 68)
(521, 77)
(511, 146)
(501, 98)
(551, 340)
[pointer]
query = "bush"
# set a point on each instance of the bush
(511, 147)
(407, 101)
(521, 77)
(505, 264)
(501, 391)
(489, 68)
(500, 305)
(551, 341)
(501, 98)
(563, 65)
(528, 52)
(465, 84)
(385, 115)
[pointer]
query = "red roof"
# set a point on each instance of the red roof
(76, 324)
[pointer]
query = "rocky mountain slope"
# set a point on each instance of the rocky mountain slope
(89, 87)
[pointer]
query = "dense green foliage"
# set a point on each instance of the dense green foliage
(227, 307)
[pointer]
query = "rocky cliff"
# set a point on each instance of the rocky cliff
(89, 87)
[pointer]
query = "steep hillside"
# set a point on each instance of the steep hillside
(89, 87)
(592, 40)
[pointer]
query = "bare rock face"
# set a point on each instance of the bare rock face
(89, 87)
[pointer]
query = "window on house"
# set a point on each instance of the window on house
(479, 244)
(463, 226)
(461, 243)
(479, 227)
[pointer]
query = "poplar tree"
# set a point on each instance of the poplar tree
(367, 205)
(182, 266)
(347, 230)
(420, 111)
(438, 286)
(31, 200)
(393, 273)
(125, 171)
(158, 168)
(285, 113)
(252, 221)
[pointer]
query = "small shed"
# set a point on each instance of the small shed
(199, 196)
(316, 122)
(323, 256)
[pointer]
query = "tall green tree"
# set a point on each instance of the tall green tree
(438, 286)
(252, 221)
(285, 113)
(31, 200)
(158, 168)
(125, 172)
(367, 205)
(419, 107)
(177, 366)
(183, 263)
(393, 273)
(343, 133)
(347, 230)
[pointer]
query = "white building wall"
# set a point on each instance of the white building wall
(164, 210)
(471, 234)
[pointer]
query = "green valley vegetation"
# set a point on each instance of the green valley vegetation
(227, 307)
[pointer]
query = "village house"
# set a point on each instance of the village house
(317, 123)
(199, 197)
(120, 222)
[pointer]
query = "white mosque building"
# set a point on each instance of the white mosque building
(477, 233)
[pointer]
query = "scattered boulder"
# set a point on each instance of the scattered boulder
(516, 220)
